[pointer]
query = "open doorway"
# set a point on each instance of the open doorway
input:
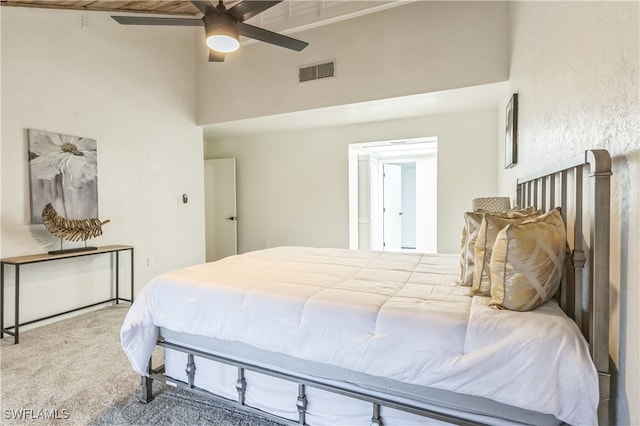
(393, 195)
(399, 206)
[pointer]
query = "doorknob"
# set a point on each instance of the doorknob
(232, 218)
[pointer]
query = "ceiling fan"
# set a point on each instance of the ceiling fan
(224, 26)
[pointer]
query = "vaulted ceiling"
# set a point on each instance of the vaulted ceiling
(288, 16)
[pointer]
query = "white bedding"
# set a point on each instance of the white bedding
(395, 315)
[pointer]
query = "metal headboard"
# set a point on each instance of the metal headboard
(584, 290)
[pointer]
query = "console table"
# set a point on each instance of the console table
(17, 262)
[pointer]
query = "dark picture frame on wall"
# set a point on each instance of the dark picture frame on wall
(511, 133)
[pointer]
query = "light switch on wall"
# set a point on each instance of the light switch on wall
(182, 199)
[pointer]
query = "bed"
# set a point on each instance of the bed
(333, 336)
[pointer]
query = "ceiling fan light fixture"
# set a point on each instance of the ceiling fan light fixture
(222, 43)
(222, 33)
(222, 27)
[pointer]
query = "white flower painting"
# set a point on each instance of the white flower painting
(63, 172)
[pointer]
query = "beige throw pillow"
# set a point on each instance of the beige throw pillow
(472, 222)
(486, 236)
(527, 261)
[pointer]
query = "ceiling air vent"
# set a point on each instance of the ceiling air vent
(317, 71)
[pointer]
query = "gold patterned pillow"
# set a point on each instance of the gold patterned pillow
(525, 210)
(472, 222)
(490, 225)
(526, 263)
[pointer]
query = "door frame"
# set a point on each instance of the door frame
(365, 180)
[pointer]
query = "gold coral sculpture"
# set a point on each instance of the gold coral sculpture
(71, 229)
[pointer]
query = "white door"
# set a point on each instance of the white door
(220, 208)
(392, 207)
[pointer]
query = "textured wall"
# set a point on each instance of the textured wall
(575, 68)
(131, 89)
(419, 47)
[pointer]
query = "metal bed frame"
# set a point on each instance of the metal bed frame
(584, 290)
(583, 293)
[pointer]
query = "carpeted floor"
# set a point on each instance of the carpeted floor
(75, 372)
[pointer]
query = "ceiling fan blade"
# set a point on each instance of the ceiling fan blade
(215, 56)
(203, 6)
(145, 20)
(249, 8)
(270, 37)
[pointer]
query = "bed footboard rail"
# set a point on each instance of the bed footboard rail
(300, 403)
(584, 290)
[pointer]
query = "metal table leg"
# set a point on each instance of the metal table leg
(131, 274)
(117, 277)
(1, 300)
(17, 321)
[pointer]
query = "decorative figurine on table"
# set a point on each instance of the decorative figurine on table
(71, 229)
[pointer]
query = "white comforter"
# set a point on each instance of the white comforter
(400, 316)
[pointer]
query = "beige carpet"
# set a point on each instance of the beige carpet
(74, 372)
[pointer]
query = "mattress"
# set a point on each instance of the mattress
(397, 316)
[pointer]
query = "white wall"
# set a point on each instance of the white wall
(420, 47)
(131, 89)
(575, 68)
(427, 183)
(293, 186)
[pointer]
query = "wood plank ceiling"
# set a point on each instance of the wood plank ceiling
(288, 16)
(165, 7)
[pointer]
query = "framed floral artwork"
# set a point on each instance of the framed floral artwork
(63, 172)
(511, 133)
